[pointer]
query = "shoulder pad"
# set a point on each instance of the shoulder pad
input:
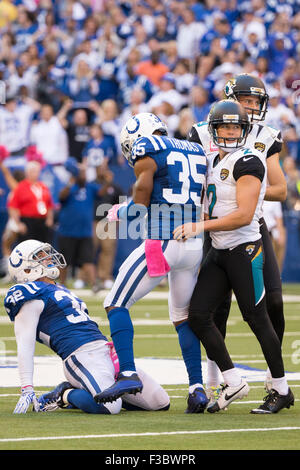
(147, 146)
(17, 295)
(274, 133)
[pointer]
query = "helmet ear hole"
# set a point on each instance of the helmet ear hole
(27, 271)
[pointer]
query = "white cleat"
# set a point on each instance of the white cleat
(213, 393)
(228, 395)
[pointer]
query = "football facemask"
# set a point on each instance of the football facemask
(31, 260)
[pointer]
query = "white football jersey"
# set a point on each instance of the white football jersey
(220, 200)
(266, 139)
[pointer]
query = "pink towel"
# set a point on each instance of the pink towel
(114, 358)
(156, 262)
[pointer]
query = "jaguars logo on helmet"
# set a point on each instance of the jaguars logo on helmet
(229, 88)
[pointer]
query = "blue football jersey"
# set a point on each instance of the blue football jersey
(64, 324)
(177, 184)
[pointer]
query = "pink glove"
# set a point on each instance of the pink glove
(112, 215)
(4, 153)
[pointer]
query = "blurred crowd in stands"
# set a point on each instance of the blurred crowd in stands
(72, 72)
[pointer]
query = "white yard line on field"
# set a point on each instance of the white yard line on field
(154, 295)
(148, 434)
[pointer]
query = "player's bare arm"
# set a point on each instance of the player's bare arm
(144, 170)
(277, 188)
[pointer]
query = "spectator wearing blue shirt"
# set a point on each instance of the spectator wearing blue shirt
(132, 80)
(98, 151)
(198, 9)
(25, 29)
(221, 30)
(200, 105)
(280, 48)
(89, 30)
(75, 223)
(107, 73)
(122, 26)
(83, 85)
(161, 32)
(47, 88)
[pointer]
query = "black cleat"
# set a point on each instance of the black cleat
(274, 402)
(51, 401)
(197, 401)
(124, 384)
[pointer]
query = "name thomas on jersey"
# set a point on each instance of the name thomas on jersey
(177, 185)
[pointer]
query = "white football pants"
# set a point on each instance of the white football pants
(90, 368)
(133, 281)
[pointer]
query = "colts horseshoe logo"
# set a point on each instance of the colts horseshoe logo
(133, 126)
(18, 263)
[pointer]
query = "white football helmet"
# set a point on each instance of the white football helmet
(30, 260)
(140, 125)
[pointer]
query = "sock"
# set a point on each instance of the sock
(232, 377)
(280, 385)
(214, 377)
(84, 401)
(268, 374)
(121, 330)
(128, 373)
(193, 387)
(191, 352)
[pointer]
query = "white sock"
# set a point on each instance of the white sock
(214, 377)
(192, 387)
(268, 374)
(65, 395)
(128, 373)
(232, 377)
(280, 385)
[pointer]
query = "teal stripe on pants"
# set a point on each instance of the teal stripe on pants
(258, 278)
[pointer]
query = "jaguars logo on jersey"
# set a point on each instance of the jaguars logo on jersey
(260, 146)
(224, 174)
(250, 249)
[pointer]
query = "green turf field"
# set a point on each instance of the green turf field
(234, 429)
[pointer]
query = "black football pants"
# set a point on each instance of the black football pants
(240, 270)
(272, 282)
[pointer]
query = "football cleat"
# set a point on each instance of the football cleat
(213, 393)
(197, 401)
(51, 401)
(274, 402)
(227, 395)
(124, 384)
